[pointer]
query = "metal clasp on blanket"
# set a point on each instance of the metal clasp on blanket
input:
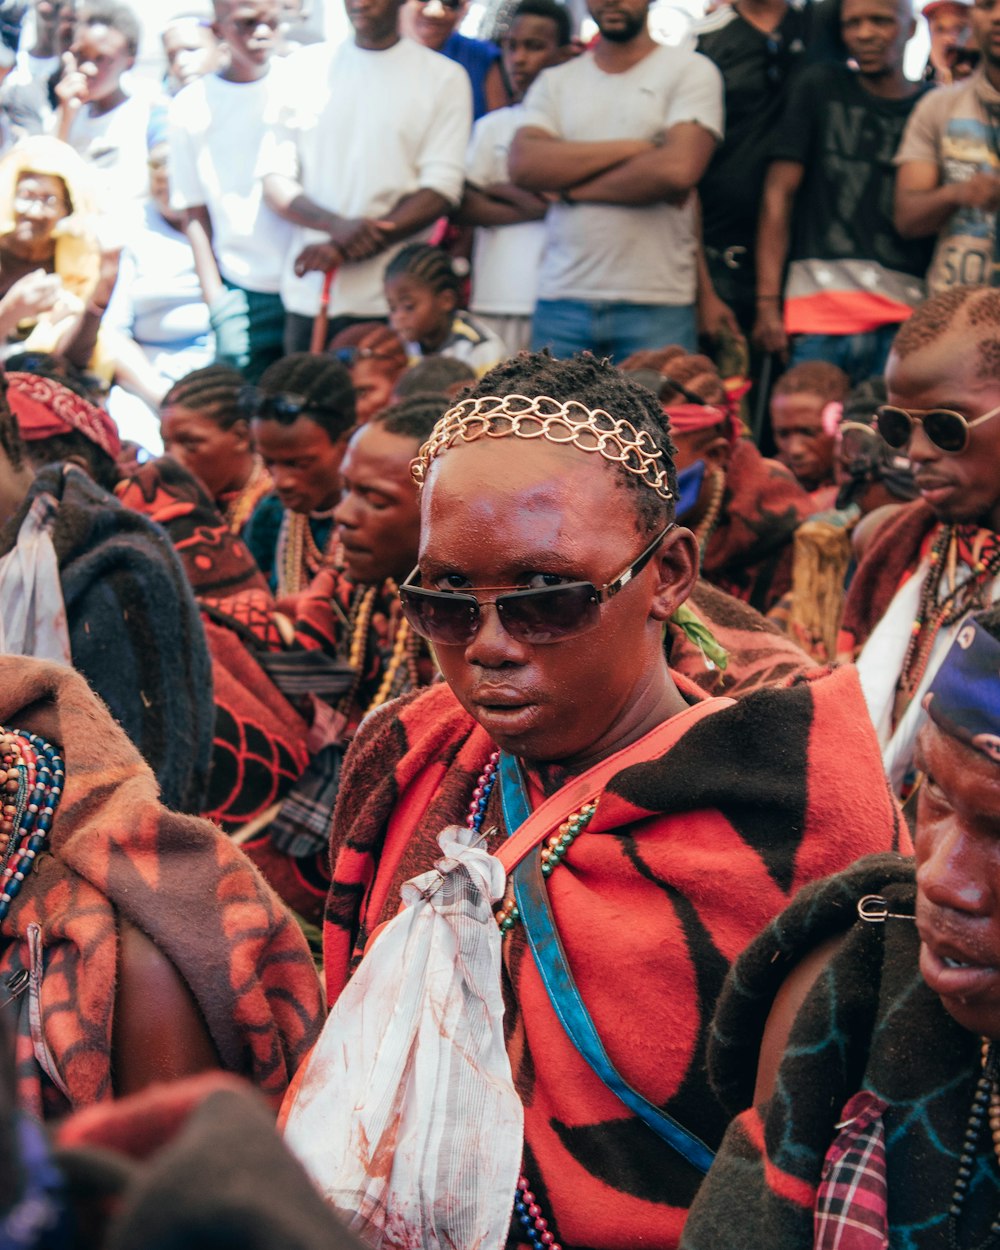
(16, 984)
(873, 909)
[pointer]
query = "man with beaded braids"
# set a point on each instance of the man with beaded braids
(866, 1045)
(669, 826)
(351, 614)
(300, 415)
(937, 559)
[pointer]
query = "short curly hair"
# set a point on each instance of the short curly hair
(595, 384)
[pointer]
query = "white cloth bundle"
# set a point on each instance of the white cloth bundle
(406, 1116)
(32, 612)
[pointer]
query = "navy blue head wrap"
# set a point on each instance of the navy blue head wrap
(964, 697)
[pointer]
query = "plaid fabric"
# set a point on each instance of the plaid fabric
(851, 1203)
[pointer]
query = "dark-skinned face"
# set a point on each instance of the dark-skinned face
(378, 516)
(945, 374)
(303, 461)
(957, 845)
(510, 512)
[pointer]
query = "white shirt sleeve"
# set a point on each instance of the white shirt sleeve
(699, 96)
(441, 160)
(481, 163)
(541, 105)
(186, 190)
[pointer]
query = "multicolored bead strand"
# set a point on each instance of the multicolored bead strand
(481, 794)
(39, 779)
(527, 1213)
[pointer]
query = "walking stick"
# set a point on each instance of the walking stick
(317, 344)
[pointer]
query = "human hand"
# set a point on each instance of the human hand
(363, 238)
(715, 317)
(32, 295)
(769, 330)
(73, 87)
(318, 256)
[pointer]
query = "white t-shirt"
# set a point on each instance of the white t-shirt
(114, 143)
(505, 259)
(640, 254)
(215, 131)
(374, 127)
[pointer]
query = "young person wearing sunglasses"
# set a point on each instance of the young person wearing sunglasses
(300, 417)
(549, 564)
(938, 558)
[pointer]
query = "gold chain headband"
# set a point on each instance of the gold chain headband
(588, 429)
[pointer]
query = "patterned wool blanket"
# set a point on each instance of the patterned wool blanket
(749, 553)
(259, 745)
(133, 627)
(115, 851)
(686, 859)
(868, 1024)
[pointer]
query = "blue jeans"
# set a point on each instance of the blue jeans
(567, 326)
(860, 356)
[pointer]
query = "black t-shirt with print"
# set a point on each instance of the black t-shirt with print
(846, 138)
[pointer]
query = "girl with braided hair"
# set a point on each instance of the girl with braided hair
(424, 294)
(301, 414)
(205, 431)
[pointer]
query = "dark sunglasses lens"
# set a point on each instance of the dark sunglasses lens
(895, 426)
(540, 616)
(346, 355)
(857, 443)
(946, 430)
(447, 619)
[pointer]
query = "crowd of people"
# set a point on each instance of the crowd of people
(500, 629)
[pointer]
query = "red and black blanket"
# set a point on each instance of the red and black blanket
(687, 857)
(259, 746)
(749, 553)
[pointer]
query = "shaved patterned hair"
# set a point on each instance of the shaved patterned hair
(973, 311)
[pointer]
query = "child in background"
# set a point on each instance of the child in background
(510, 234)
(424, 295)
(807, 404)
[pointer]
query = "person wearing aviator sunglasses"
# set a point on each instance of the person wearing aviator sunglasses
(548, 567)
(937, 559)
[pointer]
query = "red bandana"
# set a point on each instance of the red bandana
(44, 409)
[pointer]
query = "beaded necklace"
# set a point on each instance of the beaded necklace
(528, 1214)
(242, 505)
(707, 525)
(936, 613)
(405, 645)
(33, 778)
(299, 558)
(985, 1104)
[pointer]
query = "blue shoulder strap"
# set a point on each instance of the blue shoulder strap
(532, 900)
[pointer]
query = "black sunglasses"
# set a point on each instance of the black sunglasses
(947, 430)
(253, 403)
(548, 614)
(350, 356)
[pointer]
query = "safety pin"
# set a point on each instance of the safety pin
(874, 909)
(16, 983)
